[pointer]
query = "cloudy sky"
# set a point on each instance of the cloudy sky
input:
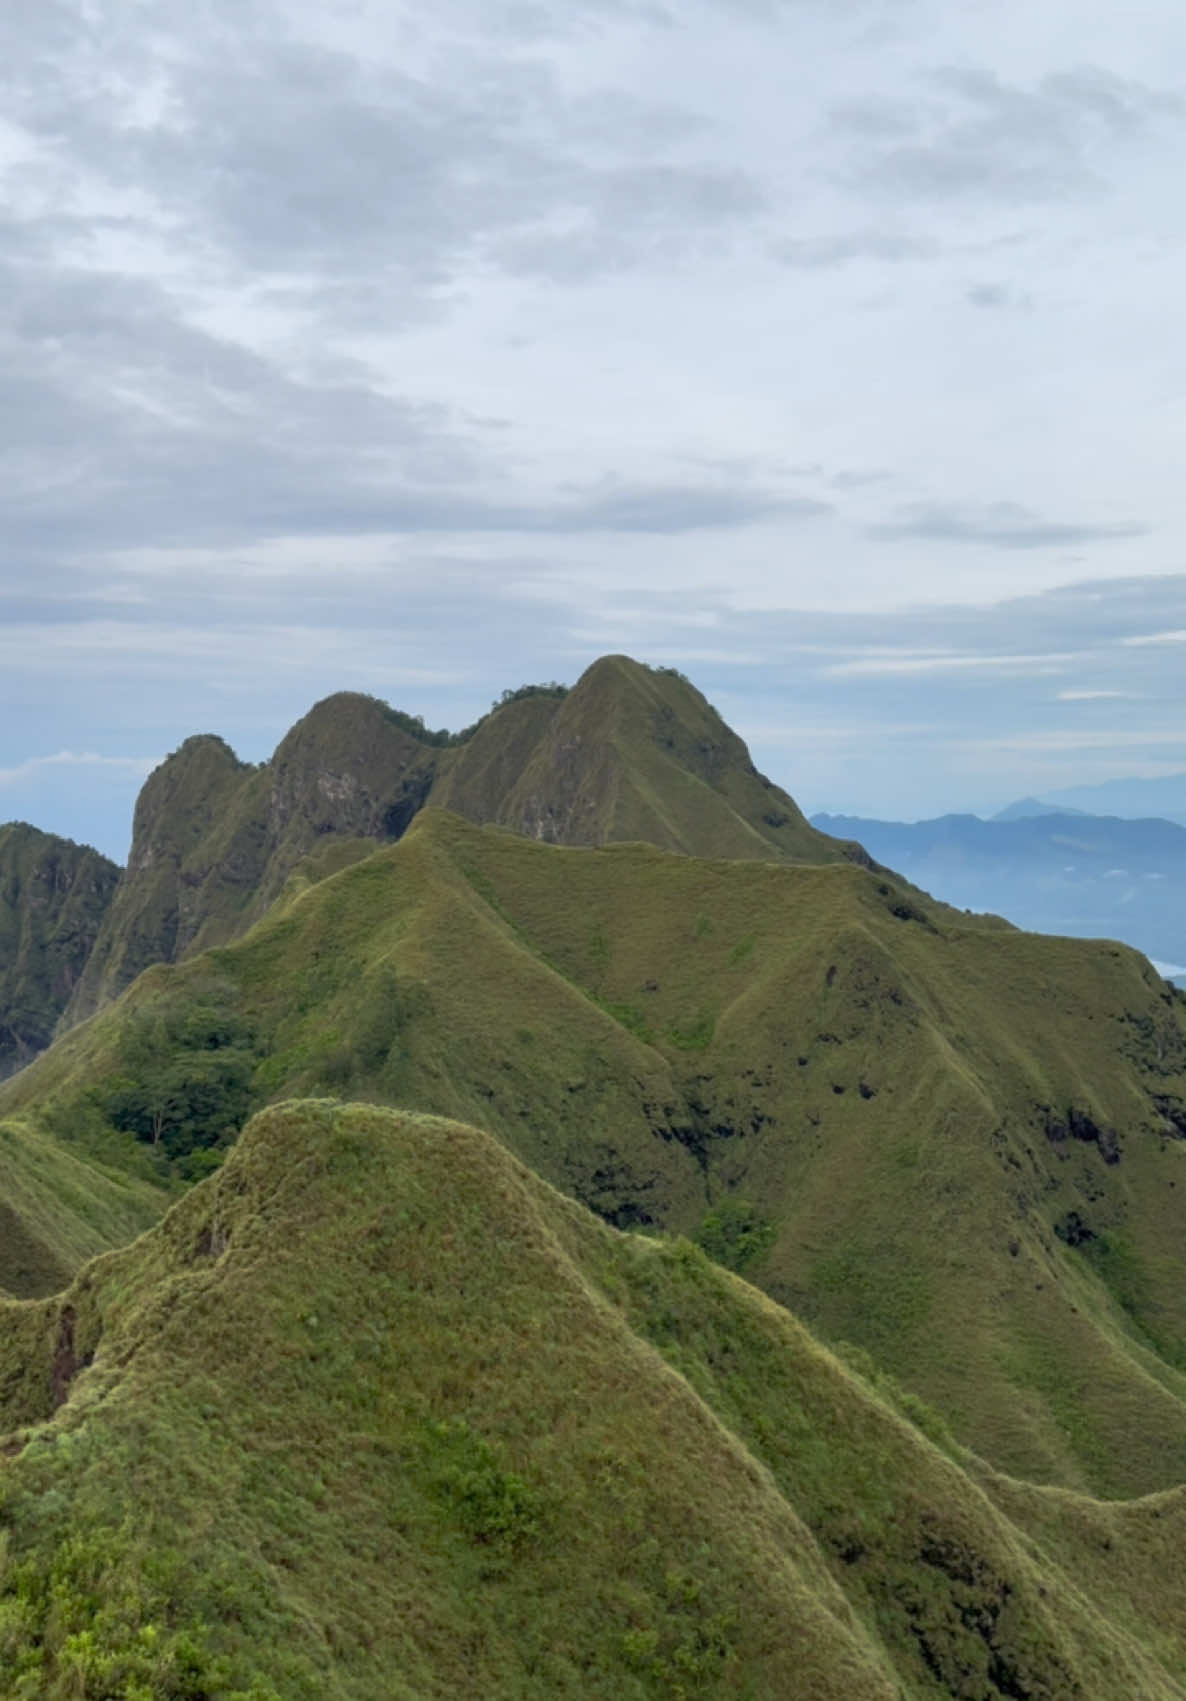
(830, 350)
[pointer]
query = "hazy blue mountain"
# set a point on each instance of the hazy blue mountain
(1027, 807)
(1084, 875)
(1133, 800)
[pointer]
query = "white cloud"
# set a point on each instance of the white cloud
(135, 766)
(1095, 696)
(428, 351)
(948, 663)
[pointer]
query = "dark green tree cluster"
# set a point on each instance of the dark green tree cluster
(186, 1081)
(551, 689)
(442, 738)
(736, 1234)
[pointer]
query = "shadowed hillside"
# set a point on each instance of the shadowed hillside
(630, 753)
(374, 1411)
(951, 1143)
(53, 897)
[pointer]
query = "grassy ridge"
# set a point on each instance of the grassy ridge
(955, 1142)
(629, 753)
(375, 1411)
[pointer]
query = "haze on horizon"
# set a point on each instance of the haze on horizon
(828, 354)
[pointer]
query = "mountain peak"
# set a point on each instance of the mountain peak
(630, 752)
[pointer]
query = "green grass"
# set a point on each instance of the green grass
(885, 1089)
(59, 1208)
(375, 1411)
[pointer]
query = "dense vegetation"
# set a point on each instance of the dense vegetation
(374, 1411)
(950, 1143)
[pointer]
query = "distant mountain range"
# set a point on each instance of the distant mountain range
(1088, 876)
(1162, 798)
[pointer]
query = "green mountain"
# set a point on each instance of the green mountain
(376, 1412)
(629, 753)
(950, 1143)
(53, 898)
(374, 1256)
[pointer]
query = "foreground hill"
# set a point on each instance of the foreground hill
(1086, 875)
(629, 753)
(376, 1412)
(949, 1142)
(53, 897)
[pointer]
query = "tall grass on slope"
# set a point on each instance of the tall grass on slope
(963, 1143)
(374, 1411)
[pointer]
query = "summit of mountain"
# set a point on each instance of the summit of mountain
(630, 752)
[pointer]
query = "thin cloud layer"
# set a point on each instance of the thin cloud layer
(825, 352)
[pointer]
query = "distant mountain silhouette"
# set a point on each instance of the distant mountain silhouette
(1163, 798)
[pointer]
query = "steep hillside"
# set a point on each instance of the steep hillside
(1087, 875)
(60, 1207)
(632, 753)
(53, 897)
(214, 839)
(629, 753)
(953, 1144)
(375, 1412)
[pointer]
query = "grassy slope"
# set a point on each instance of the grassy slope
(654, 1033)
(374, 1411)
(629, 753)
(53, 897)
(58, 1208)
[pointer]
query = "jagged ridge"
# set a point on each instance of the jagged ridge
(629, 753)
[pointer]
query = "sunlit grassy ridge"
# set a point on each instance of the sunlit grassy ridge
(375, 1411)
(947, 1142)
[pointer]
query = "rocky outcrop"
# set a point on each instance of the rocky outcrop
(54, 896)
